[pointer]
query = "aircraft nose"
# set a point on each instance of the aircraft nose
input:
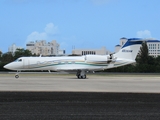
(7, 66)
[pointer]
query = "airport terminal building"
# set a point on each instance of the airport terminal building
(153, 46)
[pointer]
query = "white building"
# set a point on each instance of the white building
(122, 42)
(153, 46)
(101, 51)
(61, 52)
(13, 48)
(43, 48)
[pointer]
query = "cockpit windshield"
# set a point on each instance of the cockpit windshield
(18, 60)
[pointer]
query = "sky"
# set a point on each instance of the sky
(78, 24)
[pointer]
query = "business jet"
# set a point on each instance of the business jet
(80, 64)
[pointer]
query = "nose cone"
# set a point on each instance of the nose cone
(8, 66)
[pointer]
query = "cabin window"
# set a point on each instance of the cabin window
(20, 60)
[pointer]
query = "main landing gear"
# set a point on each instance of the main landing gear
(81, 74)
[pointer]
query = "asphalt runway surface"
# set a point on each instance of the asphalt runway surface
(78, 106)
(63, 97)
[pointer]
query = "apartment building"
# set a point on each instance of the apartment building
(44, 48)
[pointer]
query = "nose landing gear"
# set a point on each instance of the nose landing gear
(17, 75)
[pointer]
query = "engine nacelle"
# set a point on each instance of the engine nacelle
(95, 58)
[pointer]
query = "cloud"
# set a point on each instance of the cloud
(51, 28)
(144, 34)
(36, 36)
(49, 31)
(99, 2)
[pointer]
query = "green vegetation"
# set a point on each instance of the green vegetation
(22, 53)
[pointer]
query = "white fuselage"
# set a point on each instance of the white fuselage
(88, 62)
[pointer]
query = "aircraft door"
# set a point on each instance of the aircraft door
(25, 63)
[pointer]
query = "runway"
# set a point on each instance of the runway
(64, 97)
(69, 83)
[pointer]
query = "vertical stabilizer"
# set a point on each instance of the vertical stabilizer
(130, 49)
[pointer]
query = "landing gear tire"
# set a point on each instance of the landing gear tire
(81, 77)
(16, 76)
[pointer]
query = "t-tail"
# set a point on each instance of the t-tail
(130, 49)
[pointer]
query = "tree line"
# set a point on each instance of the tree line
(144, 62)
